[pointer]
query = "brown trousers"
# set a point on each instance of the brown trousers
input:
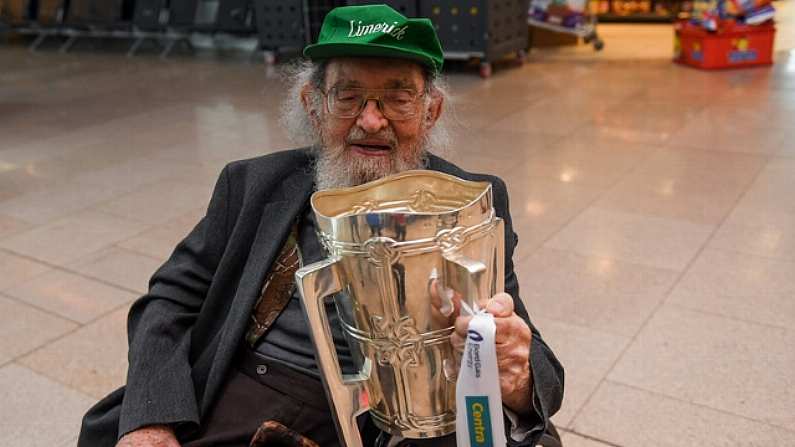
(257, 390)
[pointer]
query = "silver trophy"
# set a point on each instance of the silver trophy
(387, 240)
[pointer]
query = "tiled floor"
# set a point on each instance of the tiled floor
(653, 204)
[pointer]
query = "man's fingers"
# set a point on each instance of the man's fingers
(446, 301)
(500, 305)
(458, 342)
(461, 325)
(512, 329)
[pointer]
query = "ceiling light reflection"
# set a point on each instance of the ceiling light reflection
(568, 175)
(602, 266)
(32, 170)
(668, 188)
(535, 208)
(770, 239)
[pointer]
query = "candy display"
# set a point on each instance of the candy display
(737, 8)
(571, 17)
(706, 13)
(713, 15)
(568, 13)
(638, 10)
(760, 15)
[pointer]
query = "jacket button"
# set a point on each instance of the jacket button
(262, 369)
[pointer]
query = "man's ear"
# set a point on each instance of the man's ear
(434, 109)
(310, 104)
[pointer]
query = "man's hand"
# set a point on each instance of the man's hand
(151, 436)
(512, 338)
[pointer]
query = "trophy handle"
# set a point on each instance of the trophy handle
(468, 277)
(347, 394)
(471, 278)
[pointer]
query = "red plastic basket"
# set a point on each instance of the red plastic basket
(729, 47)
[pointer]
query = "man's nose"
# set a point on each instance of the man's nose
(372, 120)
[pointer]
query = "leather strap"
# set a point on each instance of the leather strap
(274, 434)
(277, 290)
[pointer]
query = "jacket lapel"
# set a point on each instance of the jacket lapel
(438, 164)
(277, 219)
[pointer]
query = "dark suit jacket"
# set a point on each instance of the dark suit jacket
(184, 332)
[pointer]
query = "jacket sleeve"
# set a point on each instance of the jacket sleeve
(547, 372)
(159, 385)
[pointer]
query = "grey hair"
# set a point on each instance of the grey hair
(294, 118)
(301, 131)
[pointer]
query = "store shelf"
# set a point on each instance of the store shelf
(636, 18)
(642, 11)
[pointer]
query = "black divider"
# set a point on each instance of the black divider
(484, 29)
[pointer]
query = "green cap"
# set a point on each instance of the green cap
(379, 31)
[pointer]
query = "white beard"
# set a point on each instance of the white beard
(337, 167)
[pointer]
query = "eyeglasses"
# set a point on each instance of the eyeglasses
(395, 104)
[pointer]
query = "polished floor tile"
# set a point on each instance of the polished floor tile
(631, 119)
(587, 161)
(474, 144)
(204, 174)
(775, 98)
(501, 167)
(709, 132)
(634, 238)
(71, 296)
(81, 363)
(70, 443)
(24, 328)
(739, 286)
(549, 117)
(680, 84)
(526, 84)
(599, 293)
(17, 269)
(124, 268)
(540, 208)
(132, 174)
(45, 205)
(46, 146)
(679, 183)
(159, 241)
(17, 180)
(572, 440)
(68, 239)
(759, 210)
(767, 240)
(751, 119)
(587, 355)
(159, 202)
(466, 113)
(773, 187)
(725, 364)
(37, 411)
(597, 132)
(765, 213)
(631, 417)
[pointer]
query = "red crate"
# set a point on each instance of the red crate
(731, 46)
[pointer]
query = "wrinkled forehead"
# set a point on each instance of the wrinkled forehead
(376, 73)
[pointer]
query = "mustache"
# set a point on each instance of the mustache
(387, 135)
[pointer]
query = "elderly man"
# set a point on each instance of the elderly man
(220, 345)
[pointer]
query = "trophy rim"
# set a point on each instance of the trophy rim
(336, 192)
